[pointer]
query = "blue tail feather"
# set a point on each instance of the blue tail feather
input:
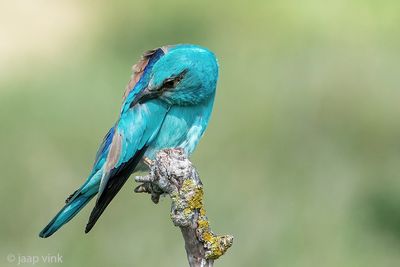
(66, 213)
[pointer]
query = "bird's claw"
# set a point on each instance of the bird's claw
(143, 188)
(148, 162)
(147, 186)
(155, 197)
(144, 179)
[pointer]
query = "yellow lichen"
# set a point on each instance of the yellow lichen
(215, 250)
(202, 212)
(207, 237)
(203, 224)
(187, 211)
(191, 199)
(187, 186)
(195, 201)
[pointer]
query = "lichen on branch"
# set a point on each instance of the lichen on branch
(172, 173)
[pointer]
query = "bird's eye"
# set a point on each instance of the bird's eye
(173, 81)
(169, 83)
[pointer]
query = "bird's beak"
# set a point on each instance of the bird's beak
(144, 96)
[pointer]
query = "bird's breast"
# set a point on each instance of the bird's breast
(183, 127)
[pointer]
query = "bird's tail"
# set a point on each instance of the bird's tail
(73, 205)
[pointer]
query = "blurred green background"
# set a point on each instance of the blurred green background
(301, 159)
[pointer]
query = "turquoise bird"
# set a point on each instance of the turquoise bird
(167, 104)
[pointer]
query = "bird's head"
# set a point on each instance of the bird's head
(183, 75)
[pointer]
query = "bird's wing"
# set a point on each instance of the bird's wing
(101, 157)
(101, 154)
(136, 128)
(133, 133)
(140, 76)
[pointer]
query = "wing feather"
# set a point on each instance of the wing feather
(134, 131)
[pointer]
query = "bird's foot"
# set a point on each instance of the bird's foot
(148, 186)
(157, 182)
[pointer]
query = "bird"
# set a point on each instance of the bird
(166, 104)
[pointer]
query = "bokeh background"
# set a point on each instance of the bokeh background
(300, 161)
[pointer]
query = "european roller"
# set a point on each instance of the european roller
(167, 104)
